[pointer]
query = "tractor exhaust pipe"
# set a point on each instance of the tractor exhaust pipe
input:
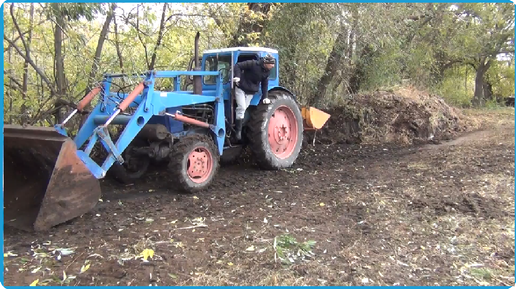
(197, 89)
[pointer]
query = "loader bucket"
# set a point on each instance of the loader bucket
(313, 118)
(45, 182)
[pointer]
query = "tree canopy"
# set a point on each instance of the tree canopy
(57, 51)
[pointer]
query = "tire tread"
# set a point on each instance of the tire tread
(256, 126)
(178, 156)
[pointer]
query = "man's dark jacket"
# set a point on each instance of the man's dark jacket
(251, 73)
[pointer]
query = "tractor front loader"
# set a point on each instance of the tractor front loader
(51, 178)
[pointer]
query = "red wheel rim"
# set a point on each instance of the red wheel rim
(283, 131)
(199, 165)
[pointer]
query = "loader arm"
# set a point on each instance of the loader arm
(50, 178)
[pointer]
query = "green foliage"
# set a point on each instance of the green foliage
(74, 11)
(457, 87)
(288, 249)
(438, 46)
(501, 76)
(384, 69)
(293, 30)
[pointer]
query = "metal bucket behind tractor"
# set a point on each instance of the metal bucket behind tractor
(313, 118)
(45, 183)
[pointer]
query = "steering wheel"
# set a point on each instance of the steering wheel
(225, 78)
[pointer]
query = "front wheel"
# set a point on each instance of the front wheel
(135, 166)
(275, 132)
(194, 162)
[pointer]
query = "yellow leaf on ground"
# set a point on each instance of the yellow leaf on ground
(147, 253)
(34, 283)
(85, 268)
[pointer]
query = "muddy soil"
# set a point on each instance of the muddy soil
(344, 214)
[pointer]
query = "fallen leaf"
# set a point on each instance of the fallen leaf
(95, 255)
(34, 283)
(85, 268)
(65, 251)
(147, 253)
(10, 254)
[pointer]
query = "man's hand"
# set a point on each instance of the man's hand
(266, 101)
(236, 80)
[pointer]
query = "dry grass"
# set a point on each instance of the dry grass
(488, 118)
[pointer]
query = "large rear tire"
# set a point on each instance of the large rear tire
(194, 162)
(275, 132)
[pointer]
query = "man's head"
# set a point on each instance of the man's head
(269, 61)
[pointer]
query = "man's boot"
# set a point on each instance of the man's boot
(238, 128)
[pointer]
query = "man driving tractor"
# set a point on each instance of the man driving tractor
(247, 77)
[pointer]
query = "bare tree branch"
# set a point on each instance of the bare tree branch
(11, 11)
(29, 60)
(160, 37)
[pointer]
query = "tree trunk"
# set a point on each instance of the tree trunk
(59, 69)
(488, 91)
(330, 70)
(9, 91)
(98, 54)
(358, 74)
(117, 46)
(160, 37)
(100, 45)
(481, 69)
(25, 82)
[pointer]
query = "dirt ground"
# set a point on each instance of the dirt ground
(439, 213)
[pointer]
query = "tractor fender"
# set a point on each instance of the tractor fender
(284, 89)
(257, 97)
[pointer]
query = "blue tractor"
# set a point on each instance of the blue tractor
(51, 178)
